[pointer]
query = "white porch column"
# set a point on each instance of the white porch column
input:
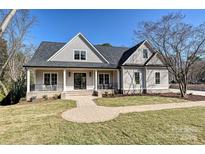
(64, 80)
(96, 80)
(118, 80)
(28, 79)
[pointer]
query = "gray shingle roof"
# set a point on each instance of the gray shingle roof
(116, 56)
(47, 49)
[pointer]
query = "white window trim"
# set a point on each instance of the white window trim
(50, 76)
(104, 80)
(80, 55)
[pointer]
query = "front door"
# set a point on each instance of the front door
(79, 80)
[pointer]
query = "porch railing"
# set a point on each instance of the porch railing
(42, 87)
(105, 86)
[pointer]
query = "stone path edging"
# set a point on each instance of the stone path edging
(88, 112)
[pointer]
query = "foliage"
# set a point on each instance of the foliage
(16, 35)
(106, 44)
(18, 90)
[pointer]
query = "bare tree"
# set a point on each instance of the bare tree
(178, 42)
(15, 34)
(4, 24)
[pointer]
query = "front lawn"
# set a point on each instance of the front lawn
(136, 100)
(41, 123)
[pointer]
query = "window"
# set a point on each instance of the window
(79, 55)
(137, 77)
(47, 79)
(107, 78)
(157, 78)
(50, 79)
(83, 55)
(145, 53)
(104, 78)
(101, 78)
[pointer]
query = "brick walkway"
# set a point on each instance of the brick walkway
(88, 112)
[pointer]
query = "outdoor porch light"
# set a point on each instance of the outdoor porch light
(69, 74)
(90, 74)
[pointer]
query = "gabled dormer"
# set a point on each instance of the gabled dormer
(78, 49)
(140, 54)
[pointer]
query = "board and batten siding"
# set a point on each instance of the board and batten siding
(147, 79)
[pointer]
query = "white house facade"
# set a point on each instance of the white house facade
(80, 68)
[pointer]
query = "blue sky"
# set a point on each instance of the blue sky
(99, 26)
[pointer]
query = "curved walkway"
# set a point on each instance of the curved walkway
(88, 112)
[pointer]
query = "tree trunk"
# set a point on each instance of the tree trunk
(183, 89)
(4, 88)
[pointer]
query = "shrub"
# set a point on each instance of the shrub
(56, 96)
(95, 93)
(45, 97)
(33, 98)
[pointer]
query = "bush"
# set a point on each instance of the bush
(18, 90)
(56, 96)
(95, 93)
(45, 97)
(33, 98)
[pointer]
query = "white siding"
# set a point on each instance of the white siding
(150, 78)
(147, 78)
(137, 56)
(155, 61)
(129, 79)
(67, 53)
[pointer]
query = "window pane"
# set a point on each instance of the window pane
(137, 77)
(107, 78)
(47, 79)
(77, 55)
(54, 79)
(83, 55)
(145, 53)
(100, 78)
(157, 78)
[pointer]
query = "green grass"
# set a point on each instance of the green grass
(135, 100)
(41, 123)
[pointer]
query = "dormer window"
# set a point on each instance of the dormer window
(79, 55)
(145, 53)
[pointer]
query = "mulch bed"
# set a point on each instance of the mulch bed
(189, 97)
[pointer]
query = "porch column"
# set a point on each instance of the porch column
(96, 80)
(28, 79)
(64, 80)
(118, 80)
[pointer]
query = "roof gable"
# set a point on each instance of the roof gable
(79, 42)
(134, 56)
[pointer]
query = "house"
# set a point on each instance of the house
(78, 67)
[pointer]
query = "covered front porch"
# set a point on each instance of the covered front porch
(71, 79)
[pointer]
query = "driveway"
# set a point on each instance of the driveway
(88, 112)
(195, 92)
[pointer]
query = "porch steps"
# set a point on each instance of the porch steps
(65, 95)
